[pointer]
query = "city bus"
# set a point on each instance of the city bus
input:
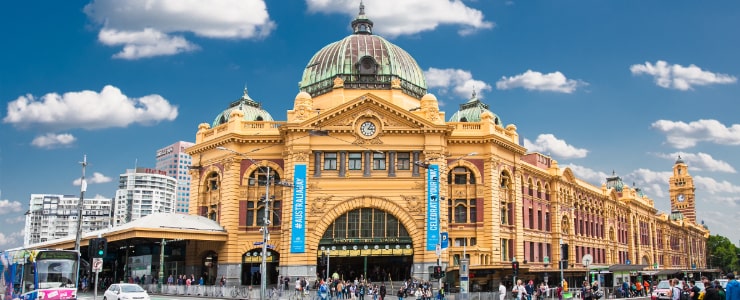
(40, 274)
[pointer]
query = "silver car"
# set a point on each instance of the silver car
(125, 291)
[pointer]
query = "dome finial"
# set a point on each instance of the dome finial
(473, 97)
(361, 24)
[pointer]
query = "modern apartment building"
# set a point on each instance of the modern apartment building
(173, 160)
(54, 216)
(141, 192)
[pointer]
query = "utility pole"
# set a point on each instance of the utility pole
(265, 238)
(80, 207)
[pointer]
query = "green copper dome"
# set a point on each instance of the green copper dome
(252, 111)
(363, 61)
(472, 110)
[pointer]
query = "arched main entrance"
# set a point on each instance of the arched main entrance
(366, 242)
(251, 261)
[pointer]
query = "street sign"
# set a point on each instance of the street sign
(97, 264)
(258, 243)
(445, 240)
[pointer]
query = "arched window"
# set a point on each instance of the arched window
(257, 196)
(212, 182)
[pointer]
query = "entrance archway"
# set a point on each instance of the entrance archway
(251, 261)
(209, 267)
(368, 243)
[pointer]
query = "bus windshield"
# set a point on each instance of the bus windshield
(57, 273)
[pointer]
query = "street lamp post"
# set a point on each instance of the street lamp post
(425, 164)
(265, 224)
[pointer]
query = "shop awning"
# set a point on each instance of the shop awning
(626, 268)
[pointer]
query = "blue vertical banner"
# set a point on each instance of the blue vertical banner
(432, 207)
(445, 242)
(298, 221)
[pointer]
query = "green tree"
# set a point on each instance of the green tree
(722, 254)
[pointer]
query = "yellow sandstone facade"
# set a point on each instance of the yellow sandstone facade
(368, 135)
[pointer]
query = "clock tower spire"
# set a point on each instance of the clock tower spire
(682, 190)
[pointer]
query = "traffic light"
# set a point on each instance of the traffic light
(437, 272)
(98, 247)
(515, 267)
(564, 256)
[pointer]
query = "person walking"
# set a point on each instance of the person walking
(732, 289)
(501, 290)
(520, 290)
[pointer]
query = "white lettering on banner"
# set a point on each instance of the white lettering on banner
(299, 204)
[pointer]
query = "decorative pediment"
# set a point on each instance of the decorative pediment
(391, 116)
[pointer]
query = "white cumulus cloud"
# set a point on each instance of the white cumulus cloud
(587, 174)
(7, 206)
(683, 135)
(146, 43)
(713, 186)
(393, 18)
(536, 81)
(88, 110)
(147, 28)
(15, 239)
(679, 77)
(700, 161)
(96, 178)
(551, 145)
(52, 140)
(459, 82)
(654, 184)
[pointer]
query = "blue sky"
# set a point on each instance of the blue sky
(602, 86)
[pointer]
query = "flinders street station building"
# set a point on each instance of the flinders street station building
(366, 177)
(366, 172)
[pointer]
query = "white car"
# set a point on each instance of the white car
(125, 291)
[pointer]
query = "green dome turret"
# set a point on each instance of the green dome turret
(364, 61)
(472, 110)
(252, 110)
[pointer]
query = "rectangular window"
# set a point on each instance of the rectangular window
(355, 161)
(547, 221)
(459, 242)
(403, 161)
(504, 250)
(531, 218)
(539, 219)
(330, 161)
(473, 211)
(378, 161)
(531, 251)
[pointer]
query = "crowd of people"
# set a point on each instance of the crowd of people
(360, 288)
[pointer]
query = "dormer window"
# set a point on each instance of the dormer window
(367, 66)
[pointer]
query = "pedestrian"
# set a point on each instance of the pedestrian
(382, 292)
(530, 289)
(732, 289)
(401, 293)
(586, 291)
(521, 292)
(501, 290)
(694, 290)
(711, 292)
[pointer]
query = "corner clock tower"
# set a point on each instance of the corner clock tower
(682, 191)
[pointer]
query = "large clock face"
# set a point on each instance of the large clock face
(367, 128)
(681, 197)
